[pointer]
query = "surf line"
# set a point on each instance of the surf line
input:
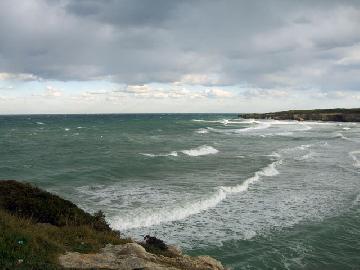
(147, 218)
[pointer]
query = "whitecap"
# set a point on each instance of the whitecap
(168, 214)
(40, 123)
(172, 153)
(306, 156)
(259, 126)
(202, 131)
(221, 121)
(200, 151)
(340, 135)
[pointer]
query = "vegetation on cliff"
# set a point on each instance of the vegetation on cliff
(36, 226)
(338, 115)
(39, 230)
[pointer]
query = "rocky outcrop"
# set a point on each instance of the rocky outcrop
(40, 230)
(132, 256)
(337, 115)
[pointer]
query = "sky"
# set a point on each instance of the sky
(158, 56)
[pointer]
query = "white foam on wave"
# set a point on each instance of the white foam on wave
(286, 133)
(202, 131)
(307, 156)
(221, 121)
(259, 126)
(150, 217)
(172, 153)
(341, 136)
(40, 123)
(269, 170)
(354, 155)
(200, 151)
(304, 127)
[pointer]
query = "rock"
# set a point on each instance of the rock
(133, 256)
(174, 250)
(211, 262)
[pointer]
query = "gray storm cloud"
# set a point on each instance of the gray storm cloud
(267, 44)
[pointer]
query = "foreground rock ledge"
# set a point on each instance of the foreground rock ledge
(132, 256)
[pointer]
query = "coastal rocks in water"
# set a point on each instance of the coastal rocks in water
(133, 256)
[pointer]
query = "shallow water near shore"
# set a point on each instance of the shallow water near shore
(255, 194)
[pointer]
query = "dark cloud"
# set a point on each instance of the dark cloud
(125, 13)
(260, 43)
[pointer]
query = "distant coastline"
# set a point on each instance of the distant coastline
(335, 115)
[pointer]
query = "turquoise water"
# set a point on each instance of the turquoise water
(255, 194)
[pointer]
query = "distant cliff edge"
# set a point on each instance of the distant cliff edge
(337, 115)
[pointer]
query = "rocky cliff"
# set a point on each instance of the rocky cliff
(338, 115)
(39, 230)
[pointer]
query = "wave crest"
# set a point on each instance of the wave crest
(173, 153)
(150, 217)
(200, 151)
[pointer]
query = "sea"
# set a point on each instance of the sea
(255, 194)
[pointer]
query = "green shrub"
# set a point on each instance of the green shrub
(27, 201)
(36, 226)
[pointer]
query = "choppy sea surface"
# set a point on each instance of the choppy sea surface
(255, 194)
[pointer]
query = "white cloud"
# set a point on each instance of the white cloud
(351, 57)
(52, 92)
(200, 79)
(266, 93)
(5, 76)
(9, 87)
(175, 91)
(218, 93)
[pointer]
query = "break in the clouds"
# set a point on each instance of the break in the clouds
(204, 55)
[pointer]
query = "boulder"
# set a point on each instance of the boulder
(133, 256)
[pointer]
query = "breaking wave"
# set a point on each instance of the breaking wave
(200, 151)
(202, 131)
(173, 153)
(194, 152)
(150, 217)
(222, 121)
(341, 136)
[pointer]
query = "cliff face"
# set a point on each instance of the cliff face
(337, 115)
(39, 230)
